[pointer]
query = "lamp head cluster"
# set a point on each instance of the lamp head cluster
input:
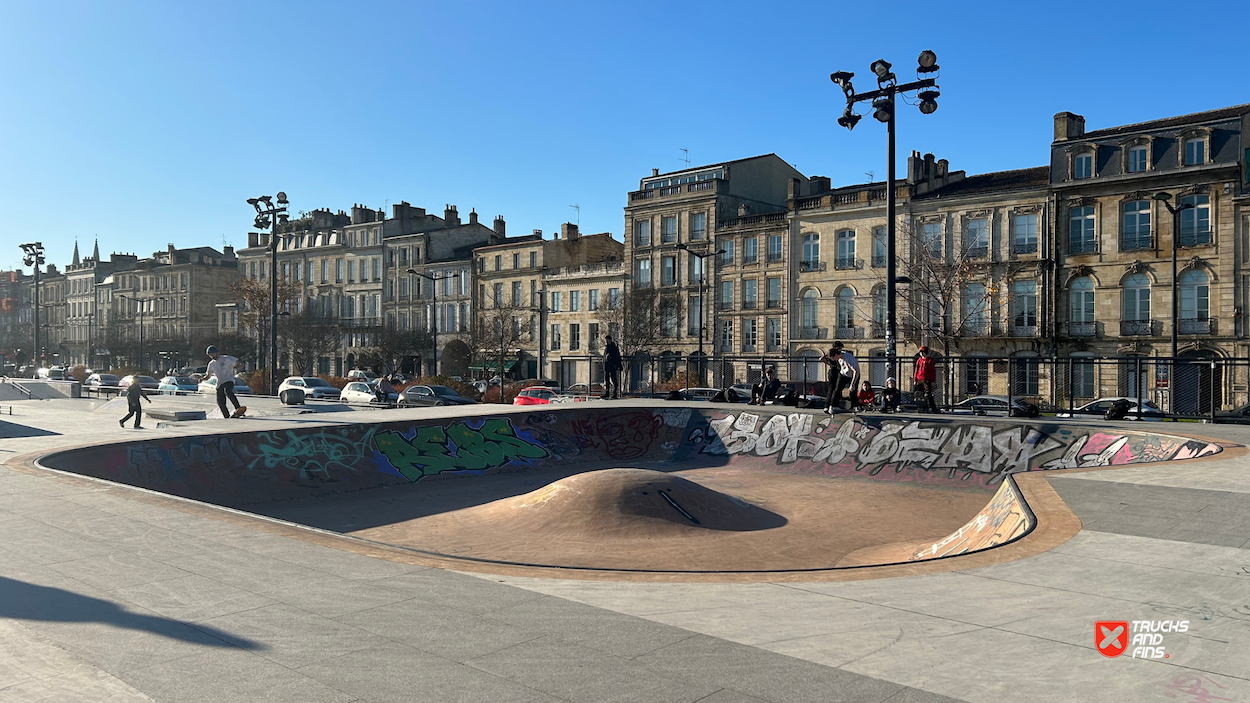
(33, 254)
(887, 84)
(267, 213)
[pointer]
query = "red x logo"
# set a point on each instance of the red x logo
(1111, 637)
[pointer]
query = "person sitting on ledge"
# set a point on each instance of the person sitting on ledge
(890, 396)
(766, 389)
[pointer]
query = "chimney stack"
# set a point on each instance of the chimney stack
(568, 230)
(451, 216)
(499, 225)
(538, 233)
(1069, 126)
(228, 252)
(655, 172)
(473, 216)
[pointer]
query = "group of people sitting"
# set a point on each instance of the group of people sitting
(843, 375)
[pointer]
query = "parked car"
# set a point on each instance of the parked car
(480, 386)
(102, 380)
(534, 395)
(1149, 411)
(148, 383)
(177, 385)
(314, 388)
(1236, 416)
(362, 375)
(585, 389)
(986, 404)
(56, 373)
(209, 387)
(432, 396)
(699, 393)
(361, 392)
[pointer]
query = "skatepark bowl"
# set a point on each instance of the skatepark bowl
(664, 489)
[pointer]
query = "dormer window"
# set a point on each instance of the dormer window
(1083, 165)
(1195, 151)
(1137, 159)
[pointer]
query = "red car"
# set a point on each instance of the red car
(535, 395)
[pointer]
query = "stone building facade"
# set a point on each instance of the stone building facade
(675, 215)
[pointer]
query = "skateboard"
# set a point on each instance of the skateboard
(240, 412)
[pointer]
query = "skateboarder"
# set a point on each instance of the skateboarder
(222, 367)
(133, 393)
(611, 370)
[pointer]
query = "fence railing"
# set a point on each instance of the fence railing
(1183, 388)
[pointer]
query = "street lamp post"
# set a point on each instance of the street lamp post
(1166, 199)
(270, 216)
(434, 303)
(883, 102)
(702, 299)
(139, 308)
(35, 259)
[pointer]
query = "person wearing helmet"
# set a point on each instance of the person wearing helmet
(222, 367)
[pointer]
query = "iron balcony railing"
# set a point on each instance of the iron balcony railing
(809, 266)
(1082, 329)
(844, 263)
(1196, 326)
(849, 333)
(813, 332)
(879, 260)
(1079, 247)
(1136, 328)
(1024, 248)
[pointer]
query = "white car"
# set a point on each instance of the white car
(361, 374)
(360, 392)
(1149, 411)
(209, 387)
(313, 387)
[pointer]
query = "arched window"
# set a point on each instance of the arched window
(811, 250)
(1135, 233)
(846, 250)
(1137, 297)
(846, 308)
(809, 318)
(1081, 300)
(1195, 220)
(1195, 295)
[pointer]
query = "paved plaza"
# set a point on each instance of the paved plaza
(111, 593)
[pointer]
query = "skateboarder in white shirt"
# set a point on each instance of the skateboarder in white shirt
(222, 367)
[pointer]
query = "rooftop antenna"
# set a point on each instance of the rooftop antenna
(578, 208)
(685, 157)
(870, 175)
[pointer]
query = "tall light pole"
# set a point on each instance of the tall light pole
(270, 216)
(702, 299)
(883, 103)
(139, 308)
(35, 259)
(434, 302)
(1166, 199)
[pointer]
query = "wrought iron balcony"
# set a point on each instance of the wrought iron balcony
(750, 259)
(1023, 330)
(1024, 248)
(1192, 238)
(808, 266)
(878, 330)
(748, 347)
(1196, 326)
(773, 304)
(1136, 328)
(774, 257)
(977, 252)
(879, 260)
(849, 333)
(726, 305)
(1082, 329)
(360, 322)
(975, 328)
(748, 305)
(1136, 243)
(844, 263)
(813, 333)
(1078, 247)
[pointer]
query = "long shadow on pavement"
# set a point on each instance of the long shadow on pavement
(27, 601)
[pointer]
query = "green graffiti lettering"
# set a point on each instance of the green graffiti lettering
(429, 452)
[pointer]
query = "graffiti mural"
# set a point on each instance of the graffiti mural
(434, 449)
(928, 451)
(1005, 518)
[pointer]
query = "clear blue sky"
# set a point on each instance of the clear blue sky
(145, 123)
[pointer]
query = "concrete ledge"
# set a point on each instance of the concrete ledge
(176, 415)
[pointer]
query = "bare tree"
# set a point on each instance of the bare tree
(392, 344)
(643, 320)
(500, 331)
(951, 293)
(255, 311)
(308, 336)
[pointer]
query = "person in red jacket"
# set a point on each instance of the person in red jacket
(926, 376)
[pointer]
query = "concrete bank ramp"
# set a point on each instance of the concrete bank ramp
(746, 491)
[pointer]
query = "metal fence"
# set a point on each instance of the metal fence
(1182, 387)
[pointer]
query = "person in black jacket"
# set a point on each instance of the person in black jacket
(133, 393)
(766, 389)
(611, 370)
